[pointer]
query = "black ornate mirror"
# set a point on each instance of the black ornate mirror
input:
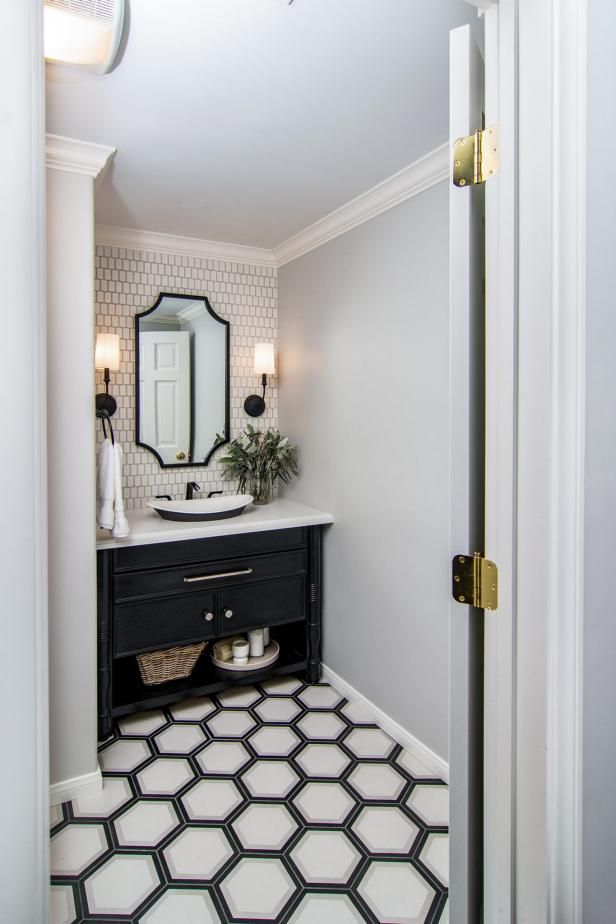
(182, 363)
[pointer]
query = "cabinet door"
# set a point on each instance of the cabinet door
(163, 623)
(269, 603)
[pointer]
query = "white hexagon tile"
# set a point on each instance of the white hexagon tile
(277, 802)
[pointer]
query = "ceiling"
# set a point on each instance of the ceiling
(247, 120)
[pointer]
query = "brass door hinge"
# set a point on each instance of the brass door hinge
(475, 157)
(475, 581)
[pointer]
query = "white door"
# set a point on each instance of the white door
(467, 263)
(164, 394)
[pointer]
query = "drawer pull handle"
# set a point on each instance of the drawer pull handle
(208, 616)
(228, 614)
(215, 577)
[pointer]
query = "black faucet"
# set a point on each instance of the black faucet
(191, 487)
(212, 493)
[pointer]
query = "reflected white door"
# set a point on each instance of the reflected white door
(467, 485)
(164, 389)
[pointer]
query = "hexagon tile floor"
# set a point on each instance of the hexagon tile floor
(273, 803)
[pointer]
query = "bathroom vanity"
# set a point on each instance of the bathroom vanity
(171, 584)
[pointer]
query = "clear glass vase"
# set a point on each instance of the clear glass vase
(260, 486)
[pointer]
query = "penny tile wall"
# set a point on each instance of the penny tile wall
(128, 282)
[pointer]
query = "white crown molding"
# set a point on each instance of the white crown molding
(133, 239)
(74, 156)
(408, 182)
(193, 311)
(163, 321)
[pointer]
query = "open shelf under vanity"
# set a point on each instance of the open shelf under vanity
(130, 693)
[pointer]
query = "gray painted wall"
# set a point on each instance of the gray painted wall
(363, 389)
(599, 806)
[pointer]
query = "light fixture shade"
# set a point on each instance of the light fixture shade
(107, 354)
(83, 33)
(265, 361)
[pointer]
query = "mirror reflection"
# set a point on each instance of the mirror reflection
(182, 380)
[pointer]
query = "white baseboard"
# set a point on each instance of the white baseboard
(428, 758)
(78, 786)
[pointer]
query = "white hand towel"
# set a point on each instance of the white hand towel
(121, 528)
(105, 484)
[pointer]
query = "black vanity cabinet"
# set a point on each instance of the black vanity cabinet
(164, 594)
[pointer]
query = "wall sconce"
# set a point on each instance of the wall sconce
(264, 365)
(107, 357)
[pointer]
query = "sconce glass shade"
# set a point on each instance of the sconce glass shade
(107, 353)
(265, 361)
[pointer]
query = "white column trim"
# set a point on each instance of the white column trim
(74, 156)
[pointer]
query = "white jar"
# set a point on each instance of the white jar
(255, 639)
(266, 637)
(240, 650)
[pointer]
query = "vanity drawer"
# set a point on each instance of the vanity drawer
(217, 548)
(192, 579)
(265, 604)
(163, 623)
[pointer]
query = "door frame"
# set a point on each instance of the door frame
(24, 775)
(535, 460)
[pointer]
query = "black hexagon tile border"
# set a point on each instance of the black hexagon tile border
(281, 802)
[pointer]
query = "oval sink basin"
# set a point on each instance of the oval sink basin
(206, 508)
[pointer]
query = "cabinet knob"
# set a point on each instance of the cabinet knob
(208, 616)
(228, 614)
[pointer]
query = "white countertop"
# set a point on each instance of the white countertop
(146, 527)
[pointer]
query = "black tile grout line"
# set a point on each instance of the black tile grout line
(301, 779)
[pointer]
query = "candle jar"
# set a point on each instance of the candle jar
(255, 640)
(241, 650)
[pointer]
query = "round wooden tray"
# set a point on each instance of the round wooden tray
(269, 656)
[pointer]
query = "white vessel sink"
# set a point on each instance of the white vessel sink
(206, 508)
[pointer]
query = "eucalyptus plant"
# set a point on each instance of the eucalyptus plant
(257, 459)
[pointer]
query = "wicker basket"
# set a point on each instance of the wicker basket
(169, 664)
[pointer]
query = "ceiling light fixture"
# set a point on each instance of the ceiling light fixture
(84, 33)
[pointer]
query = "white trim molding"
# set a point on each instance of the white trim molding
(406, 183)
(153, 241)
(24, 769)
(89, 784)
(403, 185)
(74, 156)
(194, 310)
(550, 460)
(568, 334)
(433, 763)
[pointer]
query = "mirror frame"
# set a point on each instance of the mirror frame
(144, 314)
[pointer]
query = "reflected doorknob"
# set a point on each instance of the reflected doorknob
(180, 455)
